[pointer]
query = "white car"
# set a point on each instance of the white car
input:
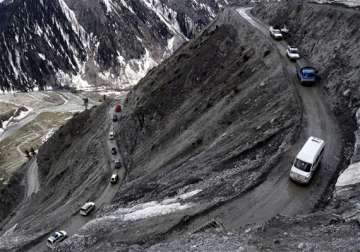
(275, 33)
(307, 160)
(87, 208)
(111, 135)
(292, 53)
(56, 238)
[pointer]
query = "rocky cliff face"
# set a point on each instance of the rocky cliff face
(92, 43)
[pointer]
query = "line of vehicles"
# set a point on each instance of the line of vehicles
(307, 75)
(309, 157)
(88, 207)
(117, 162)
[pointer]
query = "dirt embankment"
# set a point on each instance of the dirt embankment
(328, 37)
(214, 118)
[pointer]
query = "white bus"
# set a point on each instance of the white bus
(307, 160)
(87, 208)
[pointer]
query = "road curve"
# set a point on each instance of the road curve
(279, 195)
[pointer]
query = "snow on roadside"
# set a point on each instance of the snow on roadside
(350, 176)
(147, 210)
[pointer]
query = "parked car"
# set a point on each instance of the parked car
(114, 178)
(87, 208)
(307, 160)
(292, 53)
(114, 118)
(117, 163)
(275, 33)
(55, 238)
(307, 75)
(111, 135)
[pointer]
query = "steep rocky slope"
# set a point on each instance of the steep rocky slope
(336, 227)
(92, 43)
(202, 128)
(327, 35)
(73, 168)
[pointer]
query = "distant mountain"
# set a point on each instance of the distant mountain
(92, 43)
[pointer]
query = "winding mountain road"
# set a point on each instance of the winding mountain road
(75, 222)
(277, 194)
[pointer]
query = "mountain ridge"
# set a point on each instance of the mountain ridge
(92, 44)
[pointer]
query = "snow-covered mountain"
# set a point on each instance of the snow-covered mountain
(92, 43)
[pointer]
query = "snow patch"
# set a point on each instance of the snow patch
(49, 134)
(166, 15)
(108, 5)
(136, 69)
(148, 209)
(350, 176)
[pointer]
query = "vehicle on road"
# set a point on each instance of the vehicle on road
(114, 178)
(275, 33)
(117, 163)
(307, 160)
(55, 238)
(307, 75)
(284, 30)
(111, 135)
(87, 208)
(292, 53)
(118, 108)
(113, 151)
(114, 118)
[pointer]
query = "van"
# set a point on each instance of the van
(307, 160)
(87, 208)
